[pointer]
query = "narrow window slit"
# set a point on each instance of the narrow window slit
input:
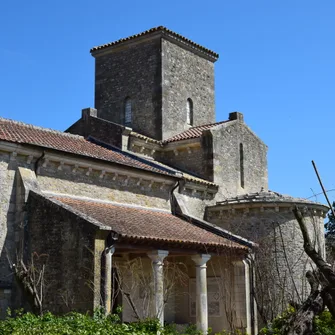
(241, 165)
(127, 112)
(189, 112)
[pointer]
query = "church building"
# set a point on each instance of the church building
(147, 201)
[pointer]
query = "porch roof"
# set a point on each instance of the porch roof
(141, 225)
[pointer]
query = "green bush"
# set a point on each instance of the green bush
(276, 326)
(324, 324)
(84, 324)
(73, 324)
(235, 332)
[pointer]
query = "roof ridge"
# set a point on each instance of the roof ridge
(219, 230)
(54, 195)
(20, 132)
(49, 130)
(129, 154)
(194, 132)
(208, 124)
(139, 135)
(153, 30)
(268, 196)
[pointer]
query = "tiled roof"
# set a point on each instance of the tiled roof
(18, 132)
(139, 224)
(268, 197)
(146, 138)
(193, 132)
(162, 29)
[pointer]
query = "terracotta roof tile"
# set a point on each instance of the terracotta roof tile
(162, 29)
(150, 225)
(18, 132)
(267, 197)
(193, 132)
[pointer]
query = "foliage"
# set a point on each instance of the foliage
(84, 324)
(330, 225)
(189, 330)
(74, 323)
(324, 324)
(330, 237)
(235, 332)
(275, 327)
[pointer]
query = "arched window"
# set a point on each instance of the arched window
(189, 112)
(127, 112)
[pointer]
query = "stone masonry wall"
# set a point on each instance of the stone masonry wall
(65, 179)
(185, 160)
(133, 71)
(102, 130)
(77, 128)
(158, 76)
(107, 132)
(280, 259)
(7, 221)
(66, 243)
(185, 75)
(226, 160)
(11, 224)
(77, 183)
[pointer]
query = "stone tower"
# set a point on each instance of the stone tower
(157, 82)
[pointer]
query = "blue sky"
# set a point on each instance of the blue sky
(276, 65)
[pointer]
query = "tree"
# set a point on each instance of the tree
(31, 278)
(330, 238)
(134, 281)
(322, 284)
(330, 225)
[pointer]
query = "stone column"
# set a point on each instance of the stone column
(250, 261)
(108, 278)
(244, 302)
(157, 258)
(201, 292)
(247, 295)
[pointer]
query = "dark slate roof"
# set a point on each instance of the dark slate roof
(161, 29)
(193, 132)
(148, 225)
(17, 132)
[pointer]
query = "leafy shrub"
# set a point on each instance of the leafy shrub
(73, 324)
(275, 327)
(324, 324)
(84, 324)
(236, 332)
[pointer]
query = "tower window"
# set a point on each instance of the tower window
(127, 112)
(241, 165)
(189, 112)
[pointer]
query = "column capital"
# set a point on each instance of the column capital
(157, 255)
(201, 259)
(110, 250)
